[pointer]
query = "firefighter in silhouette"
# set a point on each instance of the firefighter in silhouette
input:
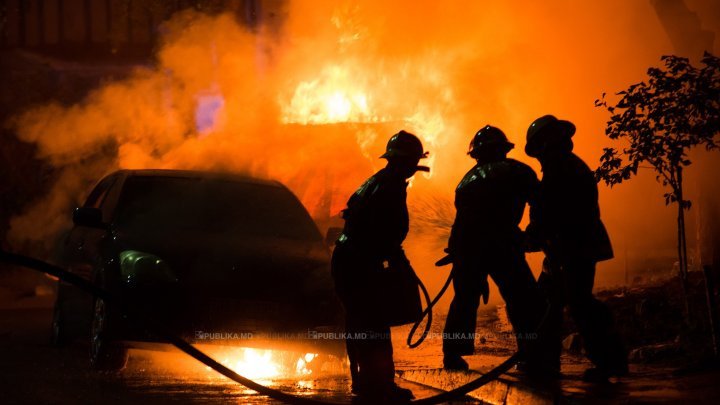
(376, 223)
(565, 223)
(486, 240)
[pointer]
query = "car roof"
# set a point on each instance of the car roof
(199, 174)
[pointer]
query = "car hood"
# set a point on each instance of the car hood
(230, 264)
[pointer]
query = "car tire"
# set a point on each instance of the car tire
(105, 354)
(58, 327)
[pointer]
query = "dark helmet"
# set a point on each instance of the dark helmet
(545, 128)
(404, 144)
(489, 138)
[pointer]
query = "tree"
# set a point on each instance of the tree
(660, 121)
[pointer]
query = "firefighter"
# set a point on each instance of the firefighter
(376, 223)
(565, 223)
(486, 240)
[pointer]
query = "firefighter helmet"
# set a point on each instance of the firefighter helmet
(404, 144)
(545, 128)
(489, 137)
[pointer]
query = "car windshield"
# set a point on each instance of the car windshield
(165, 204)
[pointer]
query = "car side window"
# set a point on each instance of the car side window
(96, 197)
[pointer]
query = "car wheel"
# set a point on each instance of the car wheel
(105, 355)
(58, 333)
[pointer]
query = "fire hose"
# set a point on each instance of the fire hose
(427, 312)
(187, 348)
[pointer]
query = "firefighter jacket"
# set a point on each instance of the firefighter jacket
(490, 201)
(566, 216)
(376, 217)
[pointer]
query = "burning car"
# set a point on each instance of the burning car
(211, 256)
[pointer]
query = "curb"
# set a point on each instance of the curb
(498, 392)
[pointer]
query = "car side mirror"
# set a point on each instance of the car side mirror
(333, 233)
(88, 216)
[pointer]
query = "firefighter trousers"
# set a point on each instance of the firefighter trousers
(525, 305)
(569, 284)
(368, 339)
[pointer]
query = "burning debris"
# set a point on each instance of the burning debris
(269, 364)
(265, 365)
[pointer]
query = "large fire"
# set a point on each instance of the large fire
(337, 96)
(332, 98)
